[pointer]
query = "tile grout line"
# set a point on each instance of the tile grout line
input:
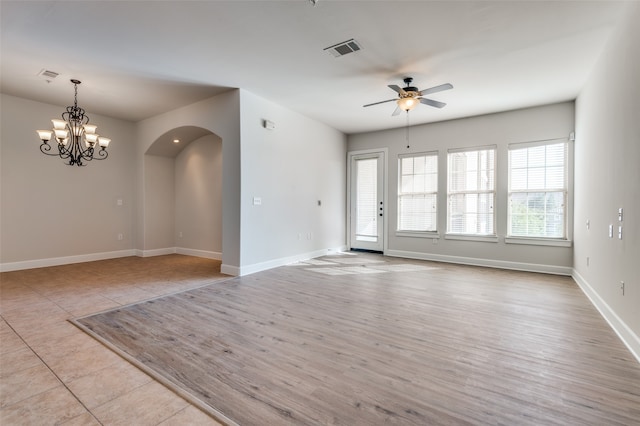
(52, 372)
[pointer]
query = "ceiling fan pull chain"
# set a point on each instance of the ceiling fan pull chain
(407, 132)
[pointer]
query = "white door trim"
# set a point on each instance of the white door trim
(385, 186)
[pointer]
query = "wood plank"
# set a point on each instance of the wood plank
(446, 344)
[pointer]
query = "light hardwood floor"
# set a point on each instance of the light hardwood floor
(462, 345)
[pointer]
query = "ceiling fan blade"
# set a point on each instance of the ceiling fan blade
(397, 111)
(432, 103)
(435, 89)
(381, 102)
(396, 88)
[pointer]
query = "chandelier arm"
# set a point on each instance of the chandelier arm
(71, 152)
(101, 154)
(81, 153)
(75, 157)
(45, 148)
(75, 113)
(86, 154)
(63, 152)
(84, 151)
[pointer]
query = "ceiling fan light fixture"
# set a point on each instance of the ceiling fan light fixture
(408, 103)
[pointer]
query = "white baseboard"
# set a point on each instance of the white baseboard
(234, 271)
(65, 260)
(624, 332)
(490, 263)
(156, 252)
(199, 253)
(263, 266)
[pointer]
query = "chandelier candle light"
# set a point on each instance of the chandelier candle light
(75, 136)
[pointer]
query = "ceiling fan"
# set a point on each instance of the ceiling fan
(409, 97)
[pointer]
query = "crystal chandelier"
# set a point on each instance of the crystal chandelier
(76, 138)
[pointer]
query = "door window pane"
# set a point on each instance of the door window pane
(366, 199)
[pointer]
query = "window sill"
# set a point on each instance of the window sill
(538, 241)
(418, 234)
(481, 238)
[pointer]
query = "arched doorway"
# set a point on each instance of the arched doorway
(183, 193)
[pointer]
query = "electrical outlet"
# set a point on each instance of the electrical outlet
(622, 287)
(120, 237)
(180, 234)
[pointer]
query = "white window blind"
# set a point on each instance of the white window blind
(418, 192)
(538, 190)
(471, 191)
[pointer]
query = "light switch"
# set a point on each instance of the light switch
(620, 232)
(620, 214)
(257, 201)
(610, 231)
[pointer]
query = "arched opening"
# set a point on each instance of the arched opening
(183, 193)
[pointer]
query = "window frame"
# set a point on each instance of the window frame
(418, 233)
(489, 237)
(564, 240)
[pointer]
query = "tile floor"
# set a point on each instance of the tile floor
(53, 373)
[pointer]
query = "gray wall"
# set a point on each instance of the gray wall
(289, 168)
(546, 122)
(607, 154)
(53, 213)
(159, 203)
(198, 196)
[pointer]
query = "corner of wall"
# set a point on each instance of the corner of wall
(624, 332)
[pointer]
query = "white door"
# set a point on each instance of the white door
(367, 201)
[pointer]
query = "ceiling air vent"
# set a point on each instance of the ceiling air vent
(47, 74)
(343, 48)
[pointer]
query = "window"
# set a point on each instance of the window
(418, 192)
(471, 191)
(538, 190)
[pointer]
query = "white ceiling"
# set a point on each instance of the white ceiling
(140, 58)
